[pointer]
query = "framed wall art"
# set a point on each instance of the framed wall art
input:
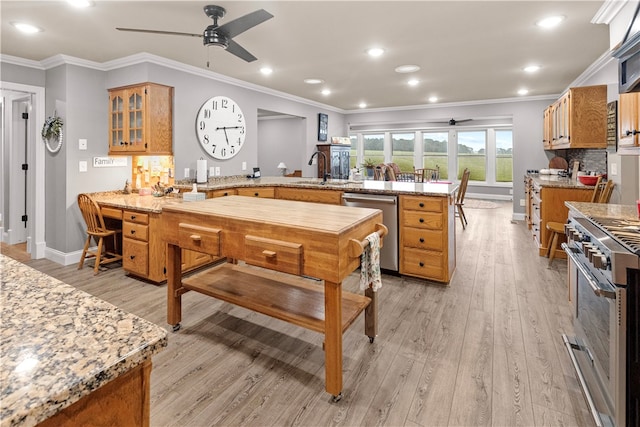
(323, 126)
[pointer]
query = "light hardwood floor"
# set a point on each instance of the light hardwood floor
(485, 350)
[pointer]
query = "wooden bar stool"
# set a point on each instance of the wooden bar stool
(556, 229)
(96, 228)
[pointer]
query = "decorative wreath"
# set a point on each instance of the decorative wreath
(52, 129)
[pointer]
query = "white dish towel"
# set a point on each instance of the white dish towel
(370, 263)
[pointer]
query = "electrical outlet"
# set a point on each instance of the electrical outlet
(212, 171)
(521, 202)
(217, 170)
(82, 144)
(244, 166)
(186, 172)
(82, 166)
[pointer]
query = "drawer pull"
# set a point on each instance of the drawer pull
(422, 240)
(421, 220)
(132, 256)
(269, 254)
(256, 194)
(421, 205)
(421, 264)
(133, 217)
(195, 237)
(133, 231)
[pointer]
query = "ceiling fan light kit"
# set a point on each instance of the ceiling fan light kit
(220, 35)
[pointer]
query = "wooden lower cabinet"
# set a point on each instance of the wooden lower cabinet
(331, 197)
(144, 254)
(547, 205)
(427, 248)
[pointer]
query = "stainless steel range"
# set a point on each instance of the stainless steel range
(604, 281)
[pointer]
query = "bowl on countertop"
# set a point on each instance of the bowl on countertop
(589, 179)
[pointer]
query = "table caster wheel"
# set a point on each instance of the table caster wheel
(371, 339)
(336, 398)
(176, 327)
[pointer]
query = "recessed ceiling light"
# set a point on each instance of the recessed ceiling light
(407, 69)
(433, 99)
(375, 51)
(26, 28)
(523, 91)
(362, 105)
(266, 70)
(413, 82)
(550, 21)
(80, 3)
(326, 92)
(531, 68)
(313, 81)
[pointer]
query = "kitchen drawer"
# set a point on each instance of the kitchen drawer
(111, 212)
(422, 220)
(422, 238)
(421, 263)
(268, 192)
(422, 204)
(200, 239)
(137, 217)
(221, 193)
(132, 230)
(135, 257)
(273, 254)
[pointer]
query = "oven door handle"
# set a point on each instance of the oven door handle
(595, 286)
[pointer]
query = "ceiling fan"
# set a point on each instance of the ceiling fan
(222, 35)
(453, 122)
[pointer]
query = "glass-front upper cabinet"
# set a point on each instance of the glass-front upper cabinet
(140, 119)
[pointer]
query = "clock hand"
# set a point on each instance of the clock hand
(225, 135)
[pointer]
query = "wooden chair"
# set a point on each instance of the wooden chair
(462, 190)
(96, 229)
(426, 174)
(601, 194)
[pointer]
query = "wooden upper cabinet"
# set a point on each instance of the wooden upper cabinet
(629, 131)
(578, 119)
(141, 119)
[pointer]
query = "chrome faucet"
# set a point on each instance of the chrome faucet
(325, 175)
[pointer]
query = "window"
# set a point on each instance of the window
(402, 147)
(504, 156)
(374, 148)
(435, 152)
(472, 154)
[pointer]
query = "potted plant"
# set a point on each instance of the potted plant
(369, 165)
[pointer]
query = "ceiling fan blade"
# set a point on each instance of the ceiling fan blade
(171, 33)
(240, 52)
(242, 24)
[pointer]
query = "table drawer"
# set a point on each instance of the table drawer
(200, 239)
(421, 263)
(422, 238)
(135, 257)
(132, 230)
(137, 217)
(274, 254)
(111, 212)
(422, 204)
(422, 220)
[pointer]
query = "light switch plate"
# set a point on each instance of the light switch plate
(244, 166)
(186, 172)
(82, 166)
(212, 170)
(82, 144)
(217, 170)
(614, 169)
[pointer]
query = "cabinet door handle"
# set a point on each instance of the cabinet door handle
(132, 256)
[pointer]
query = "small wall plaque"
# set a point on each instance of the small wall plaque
(612, 123)
(109, 162)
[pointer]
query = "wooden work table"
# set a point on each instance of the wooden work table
(297, 238)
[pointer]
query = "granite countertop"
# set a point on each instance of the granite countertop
(558, 181)
(58, 344)
(441, 189)
(604, 210)
(118, 199)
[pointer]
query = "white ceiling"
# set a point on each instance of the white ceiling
(467, 50)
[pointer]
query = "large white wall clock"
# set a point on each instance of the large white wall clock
(220, 127)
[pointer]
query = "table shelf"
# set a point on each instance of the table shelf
(293, 299)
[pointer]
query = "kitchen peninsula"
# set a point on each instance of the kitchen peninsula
(69, 358)
(426, 215)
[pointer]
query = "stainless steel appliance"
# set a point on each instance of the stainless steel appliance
(389, 207)
(604, 279)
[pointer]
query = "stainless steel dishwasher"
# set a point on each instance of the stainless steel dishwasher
(389, 207)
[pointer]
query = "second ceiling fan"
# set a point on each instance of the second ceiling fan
(220, 35)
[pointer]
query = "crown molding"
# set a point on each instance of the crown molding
(15, 60)
(593, 69)
(608, 11)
